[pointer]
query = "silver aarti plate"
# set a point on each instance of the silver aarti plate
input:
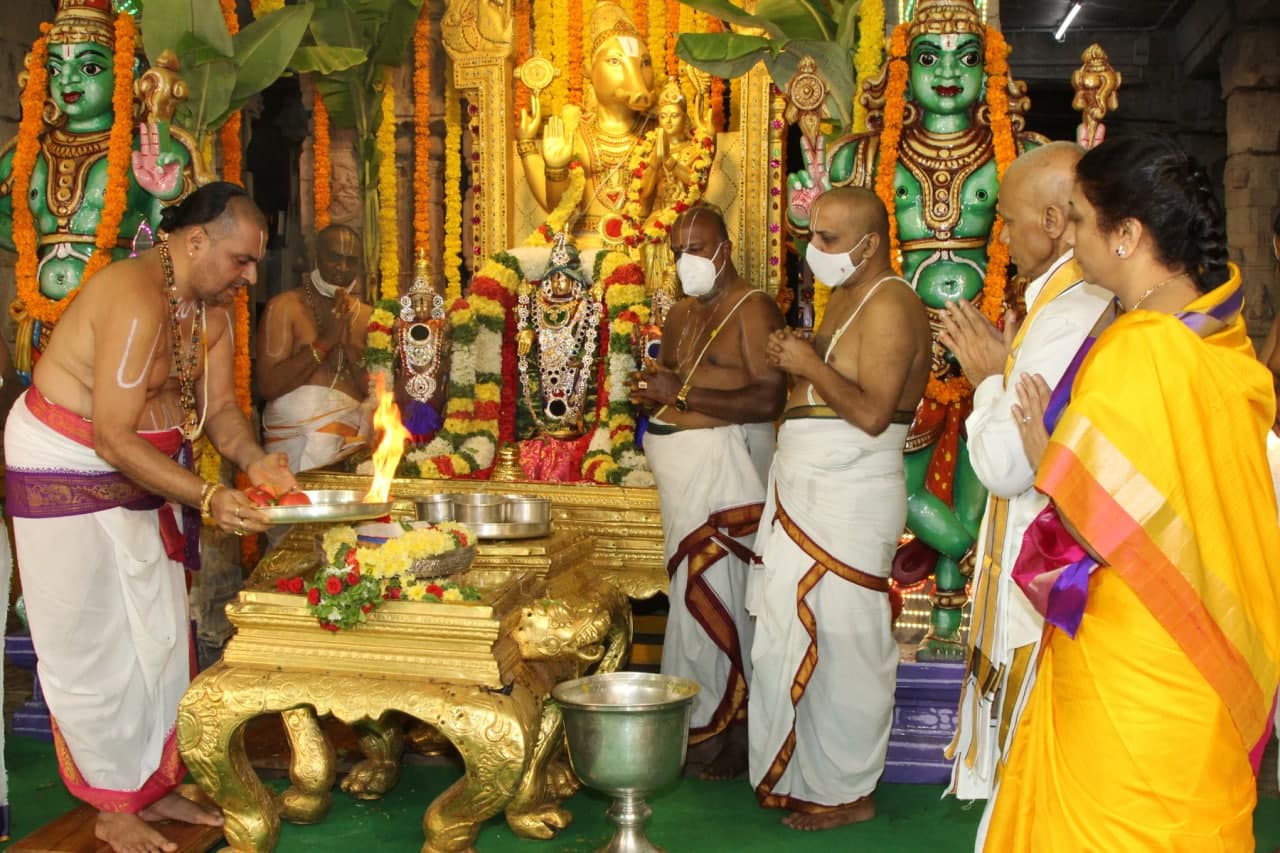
(328, 505)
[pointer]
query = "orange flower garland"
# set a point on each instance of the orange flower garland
(24, 161)
(997, 70)
(673, 33)
(229, 133)
(574, 50)
(524, 49)
(422, 129)
(322, 167)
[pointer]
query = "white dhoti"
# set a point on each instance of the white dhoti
(711, 496)
(824, 659)
(107, 608)
(314, 426)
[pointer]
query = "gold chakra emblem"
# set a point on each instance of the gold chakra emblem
(536, 72)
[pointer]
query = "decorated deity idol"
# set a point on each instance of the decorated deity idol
(598, 138)
(422, 347)
(90, 185)
(669, 175)
(948, 122)
(558, 346)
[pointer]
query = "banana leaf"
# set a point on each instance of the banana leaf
(325, 59)
(780, 19)
(166, 21)
(263, 49)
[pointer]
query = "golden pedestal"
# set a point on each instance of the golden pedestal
(478, 674)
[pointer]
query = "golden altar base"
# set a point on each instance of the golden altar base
(477, 674)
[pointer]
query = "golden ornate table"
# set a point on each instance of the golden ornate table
(478, 674)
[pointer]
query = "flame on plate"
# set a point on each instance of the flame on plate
(386, 457)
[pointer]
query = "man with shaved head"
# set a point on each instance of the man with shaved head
(139, 366)
(310, 359)
(1062, 310)
(824, 659)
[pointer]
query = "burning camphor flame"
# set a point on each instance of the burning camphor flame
(386, 420)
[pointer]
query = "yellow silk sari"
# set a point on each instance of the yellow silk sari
(1143, 732)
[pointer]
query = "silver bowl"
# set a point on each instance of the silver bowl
(435, 508)
(524, 509)
(627, 733)
(477, 508)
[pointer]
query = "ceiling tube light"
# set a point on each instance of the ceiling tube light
(1060, 34)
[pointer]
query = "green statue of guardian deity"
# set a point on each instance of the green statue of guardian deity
(69, 182)
(943, 197)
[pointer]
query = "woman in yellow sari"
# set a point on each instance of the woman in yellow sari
(1158, 670)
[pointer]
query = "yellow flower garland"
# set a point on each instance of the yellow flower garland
(452, 260)
(388, 223)
(262, 8)
(422, 130)
(657, 227)
(656, 17)
(559, 217)
(558, 91)
(869, 56)
(323, 167)
(573, 49)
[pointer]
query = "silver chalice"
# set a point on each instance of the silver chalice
(627, 734)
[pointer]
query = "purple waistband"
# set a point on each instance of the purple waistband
(56, 494)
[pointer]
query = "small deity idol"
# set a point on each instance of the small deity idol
(558, 344)
(68, 190)
(422, 347)
(601, 135)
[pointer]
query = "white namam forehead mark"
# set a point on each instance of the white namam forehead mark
(629, 44)
(67, 51)
(950, 40)
(123, 382)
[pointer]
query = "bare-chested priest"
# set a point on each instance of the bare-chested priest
(310, 365)
(140, 364)
(824, 660)
(714, 399)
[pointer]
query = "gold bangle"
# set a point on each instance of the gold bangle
(315, 353)
(557, 174)
(525, 147)
(207, 493)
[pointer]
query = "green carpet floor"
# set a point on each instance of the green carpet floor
(690, 816)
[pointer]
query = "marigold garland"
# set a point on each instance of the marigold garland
(422, 130)
(320, 148)
(656, 14)
(524, 49)
(229, 133)
(577, 12)
(388, 223)
(262, 8)
(869, 55)
(559, 216)
(453, 260)
(672, 30)
(24, 161)
(558, 91)
(640, 17)
(718, 119)
(1005, 146)
(656, 228)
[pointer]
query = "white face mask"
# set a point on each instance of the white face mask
(698, 274)
(834, 268)
(328, 290)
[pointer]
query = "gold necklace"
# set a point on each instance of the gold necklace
(1154, 288)
(185, 358)
(315, 313)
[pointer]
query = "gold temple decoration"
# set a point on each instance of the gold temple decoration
(84, 22)
(945, 16)
(536, 72)
(507, 469)
(806, 95)
(1095, 83)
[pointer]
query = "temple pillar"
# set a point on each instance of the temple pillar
(1250, 76)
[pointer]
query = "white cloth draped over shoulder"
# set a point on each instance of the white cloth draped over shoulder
(824, 659)
(107, 609)
(711, 496)
(314, 426)
(1005, 628)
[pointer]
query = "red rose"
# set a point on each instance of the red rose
(295, 585)
(313, 596)
(353, 578)
(282, 585)
(351, 560)
(613, 227)
(436, 590)
(680, 207)
(394, 592)
(329, 626)
(365, 608)
(333, 585)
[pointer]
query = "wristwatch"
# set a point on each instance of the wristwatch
(682, 399)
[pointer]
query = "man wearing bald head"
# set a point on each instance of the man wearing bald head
(824, 659)
(1062, 310)
(310, 359)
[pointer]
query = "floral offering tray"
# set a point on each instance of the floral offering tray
(327, 505)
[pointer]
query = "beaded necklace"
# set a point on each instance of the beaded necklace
(185, 359)
(315, 313)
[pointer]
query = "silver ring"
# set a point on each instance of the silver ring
(642, 385)
(1026, 419)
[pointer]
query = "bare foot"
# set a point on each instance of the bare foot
(731, 761)
(856, 812)
(174, 806)
(128, 833)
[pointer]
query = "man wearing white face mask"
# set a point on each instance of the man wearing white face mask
(310, 359)
(713, 399)
(824, 660)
